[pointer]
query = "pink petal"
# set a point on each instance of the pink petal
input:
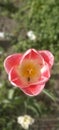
(33, 54)
(45, 75)
(33, 90)
(14, 78)
(48, 57)
(11, 61)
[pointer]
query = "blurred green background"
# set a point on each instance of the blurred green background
(17, 18)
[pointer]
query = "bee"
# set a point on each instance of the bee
(28, 79)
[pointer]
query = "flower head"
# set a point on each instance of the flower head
(31, 35)
(2, 35)
(29, 71)
(25, 121)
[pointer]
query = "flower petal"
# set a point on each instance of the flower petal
(33, 90)
(45, 74)
(11, 61)
(33, 54)
(14, 78)
(48, 57)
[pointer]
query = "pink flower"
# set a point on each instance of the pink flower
(29, 71)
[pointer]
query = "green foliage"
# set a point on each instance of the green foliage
(51, 96)
(42, 17)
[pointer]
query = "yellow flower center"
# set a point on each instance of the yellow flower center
(29, 71)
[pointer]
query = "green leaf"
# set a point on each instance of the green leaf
(11, 93)
(50, 95)
(38, 107)
(33, 109)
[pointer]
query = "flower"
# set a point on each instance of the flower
(31, 35)
(2, 35)
(25, 121)
(29, 71)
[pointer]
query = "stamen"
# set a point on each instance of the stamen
(29, 71)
